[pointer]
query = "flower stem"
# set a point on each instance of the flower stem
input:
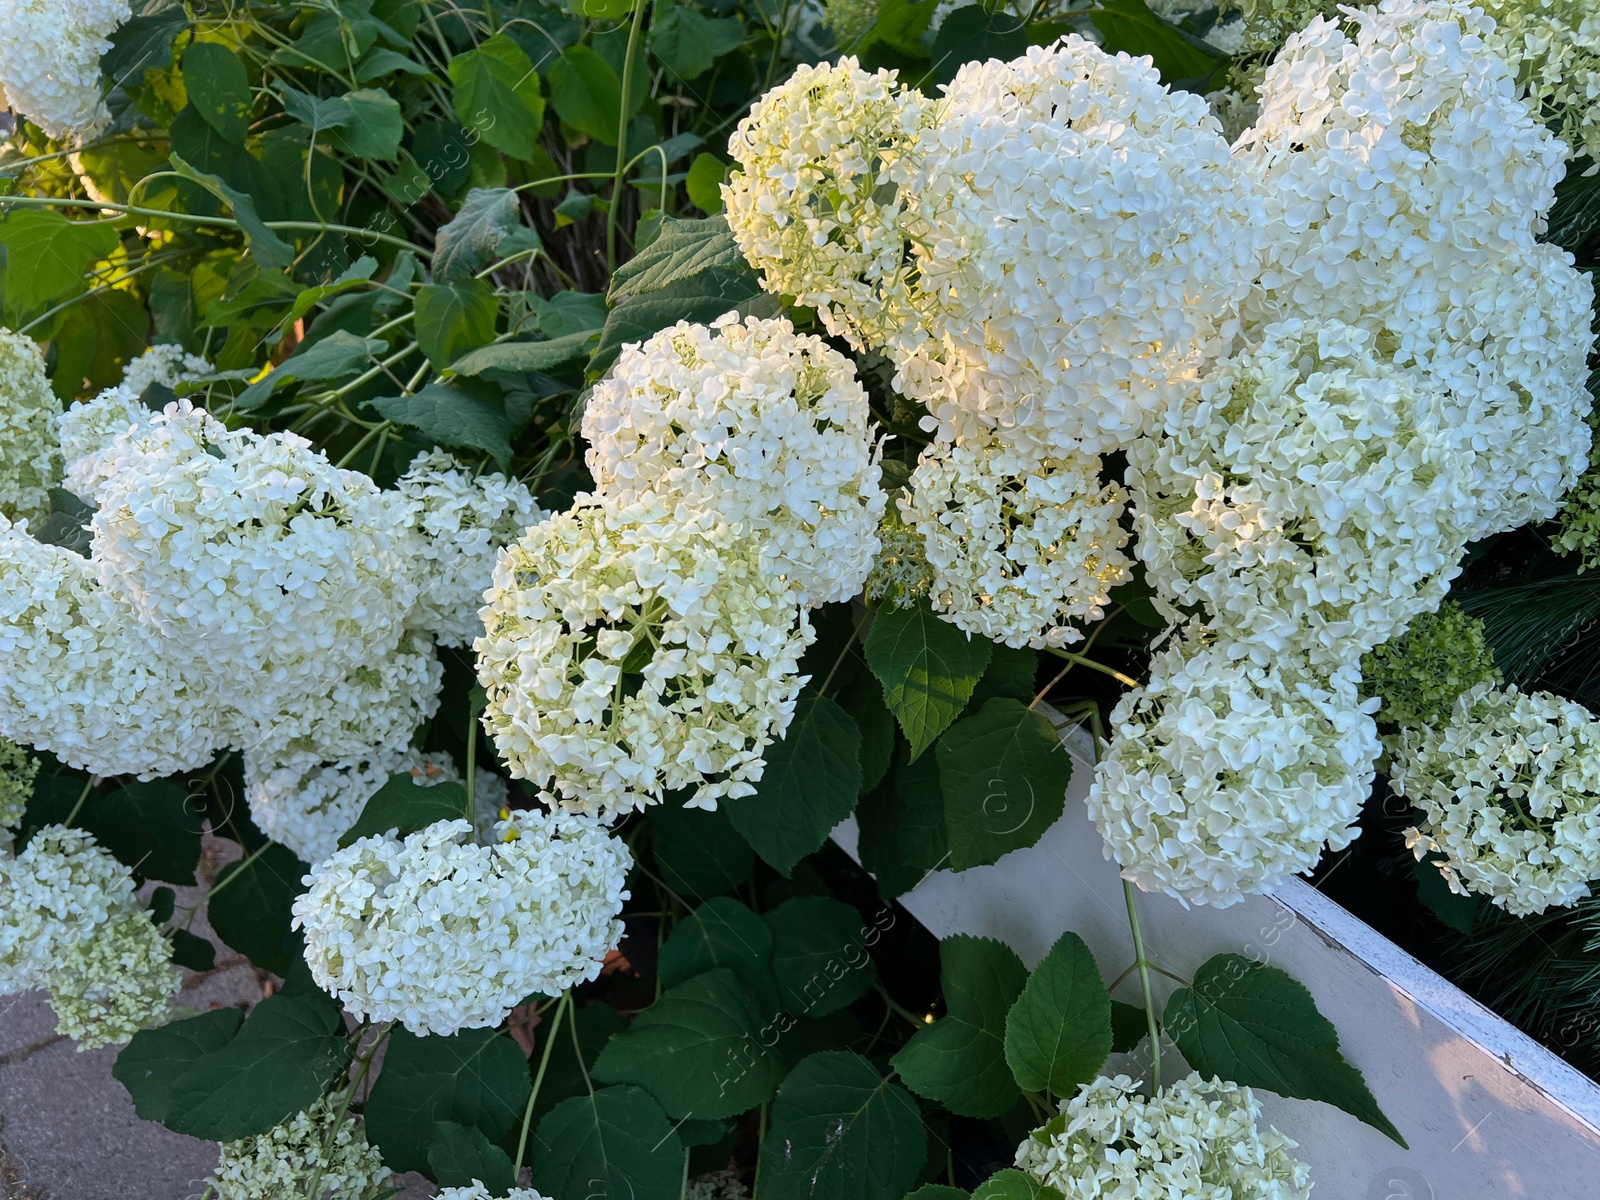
(83, 796)
(538, 1080)
(622, 135)
(1143, 964)
(1081, 661)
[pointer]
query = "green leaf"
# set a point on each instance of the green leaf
(928, 669)
(811, 782)
(840, 1131)
(1256, 1025)
(340, 355)
(192, 951)
(1012, 1184)
(460, 1156)
(271, 251)
(1011, 672)
(704, 182)
(153, 827)
(219, 89)
(863, 700)
(901, 24)
(468, 241)
(46, 255)
(1181, 58)
(937, 1191)
(373, 127)
(973, 34)
(67, 523)
(698, 1050)
(688, 43)
(155, 1059)
(1434, 894)
(526, 356)
(454, 318)
(464, 415)
(596, 1024)
(587, 94)
(601, 10)
(818, 955)
(404, 806)
(252, 914)
(443, 151)
(142, 43)
(1058, 1033)
(476, 1078)
(496, 95)
(1004, 774)
(1129, 1026)
(699, 851)
(614, 1143)
(722, 933)
(960, 1060)
(280, 1062)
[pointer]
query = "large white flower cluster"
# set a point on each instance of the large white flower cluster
(1018, 549)
(283, 1161)
(1509, 789)
(1406, 184)
(461, 522)
(1195, 1138)
(668, 590)
(442, 934)
(1224, 777)
(1308, 496)
(769, 427)
(479, 1191)
(50, 61)
(31, 462)
(70, 923)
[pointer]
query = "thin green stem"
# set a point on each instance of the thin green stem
(472, 758)
(83, 797)
(538, 1080)
(357, 449)
(577, 1050)
(1079, 660)
(628, 65)
(238, 871)
(855, 636)
(313, 1189)
(1143, 963)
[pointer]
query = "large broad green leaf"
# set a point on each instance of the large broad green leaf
(497, 96)
(960, 1060)
(614, 1143)
(1058, 1033)
(1004, 774)
(279, 1063)
(1182, 59)
(1012, 1184)
(972, 34)
(404, 806)
(863, 700)
(140, 44)
(155, 1059)
(818, 955)
(218, 88)
(587, 94)
(95, 339)
(937, 1191)
(471, 240)
(698, 1050)
(461, 1156)
(466, 414)
(699, 852)
(811, 782)
(252, 914)
(928, 669)
(1129, 1027)
(840, 1131)
(722, 933)
(340, 355)
(46, 255)
(270, 250)
(454, 318)
(476, 1078)
(523, 357)
(1258, 1026)
(704, 183)
(693, 271)
(152, 827)
(687, 43)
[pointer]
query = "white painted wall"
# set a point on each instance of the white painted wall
(1489, 1113)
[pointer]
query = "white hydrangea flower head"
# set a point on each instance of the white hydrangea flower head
(1195, 1138)
(50, 61)
(84, 680)
(163, 363)
(768, 427)
(70, 922)
(1222, 778)
(308, 805)
(282, 1161)
(1306, 495)
(1406, 185)
(1553, 49)
(30, 464)
(818, 200)
(670, 591)
(1083, 242)
(441, 934)
(1509, 789)
(462, 521)
(252, 554)
(718, 1185)
(479, 1191)
(1019, 548)
(87, 428)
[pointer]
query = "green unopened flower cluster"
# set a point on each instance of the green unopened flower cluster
(17, 771)
(1419, 674)
(849, 19)
(901, 574)
(283, 1161)
(1579, 518)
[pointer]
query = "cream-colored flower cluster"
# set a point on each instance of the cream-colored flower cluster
(634, 648)
(479, 1191)
(70, 923)
(1195, 1138)
(442, 934)
(769, 427)
(31, 462)
(18, 770)
(1420, 673)
(50, 61)
(283, 1161)
(1509, 789)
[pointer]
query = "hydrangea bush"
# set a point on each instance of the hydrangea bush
(487, 490)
